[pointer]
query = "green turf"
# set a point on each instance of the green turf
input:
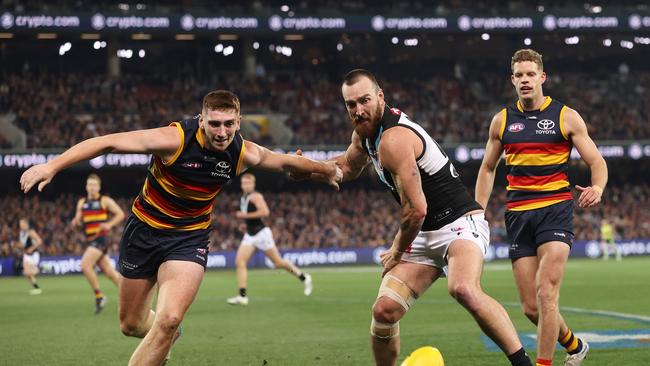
(282, 327)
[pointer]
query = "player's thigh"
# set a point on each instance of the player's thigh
(135, 299)
(91, 256)
(552, 261)
(524, 270)
(28, 268)
(273, 254)
(465, 263)
(418, 277)
(244, 253)
(105, 265)
(30, 264)
(178, 283)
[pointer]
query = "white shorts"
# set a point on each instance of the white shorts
(263, 240)
(32, 259)
(430, 247)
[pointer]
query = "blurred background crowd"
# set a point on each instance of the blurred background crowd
(311, 219)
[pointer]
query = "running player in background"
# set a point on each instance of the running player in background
(30, 241)
(166, 237)
(537, 134)
(92, 214)
(607, 240)
(252, 209)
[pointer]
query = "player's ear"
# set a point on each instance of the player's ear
(543, 77)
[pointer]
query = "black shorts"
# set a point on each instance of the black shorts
(143, 249)
(99, 243)
(527, 230)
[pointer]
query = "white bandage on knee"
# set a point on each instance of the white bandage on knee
(395, 289)
(384, 330)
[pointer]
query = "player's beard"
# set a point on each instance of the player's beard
(368, 127)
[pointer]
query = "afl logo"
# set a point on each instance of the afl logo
(222, 167)
(516, 127)
(545, 124)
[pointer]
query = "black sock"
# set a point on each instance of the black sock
(520, 358)
(242, 292)
(35, 285)
(302, 277)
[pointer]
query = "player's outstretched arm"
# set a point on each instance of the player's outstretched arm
(576, 129)
(259, 156)
(163, 141)
(397, 150)
(354, 160)
(486, 173)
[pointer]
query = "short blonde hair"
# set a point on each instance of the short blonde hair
(94, 177)
(527, 54)
(248, 176)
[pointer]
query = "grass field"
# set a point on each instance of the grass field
(282, 327)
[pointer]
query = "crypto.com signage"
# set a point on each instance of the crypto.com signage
(459, 153)
(276, 23)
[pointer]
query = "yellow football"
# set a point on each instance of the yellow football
(424, 356)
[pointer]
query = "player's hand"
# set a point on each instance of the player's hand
(240, 215)
(589, 196)
(104, 227)
(242, 228)
(297, 175)
(40, 175)
(75, 222)
(389, 259)
(335, 175)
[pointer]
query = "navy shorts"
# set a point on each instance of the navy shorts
(527, 230)
(99, 243)
(143, 249)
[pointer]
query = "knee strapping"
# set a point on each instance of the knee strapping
(395, 289)
(384, 330)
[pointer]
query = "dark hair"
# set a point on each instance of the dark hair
(527, 54)
(220, 100)
(355, 75)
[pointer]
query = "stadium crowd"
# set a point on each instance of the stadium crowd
(312, 219)
(452, 108)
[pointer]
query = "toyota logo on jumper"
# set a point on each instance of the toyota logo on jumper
(222, 167)
(545, 124)
(545, 127)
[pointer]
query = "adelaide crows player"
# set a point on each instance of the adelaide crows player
(92, 214)
(165, 240)
(537, 134)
